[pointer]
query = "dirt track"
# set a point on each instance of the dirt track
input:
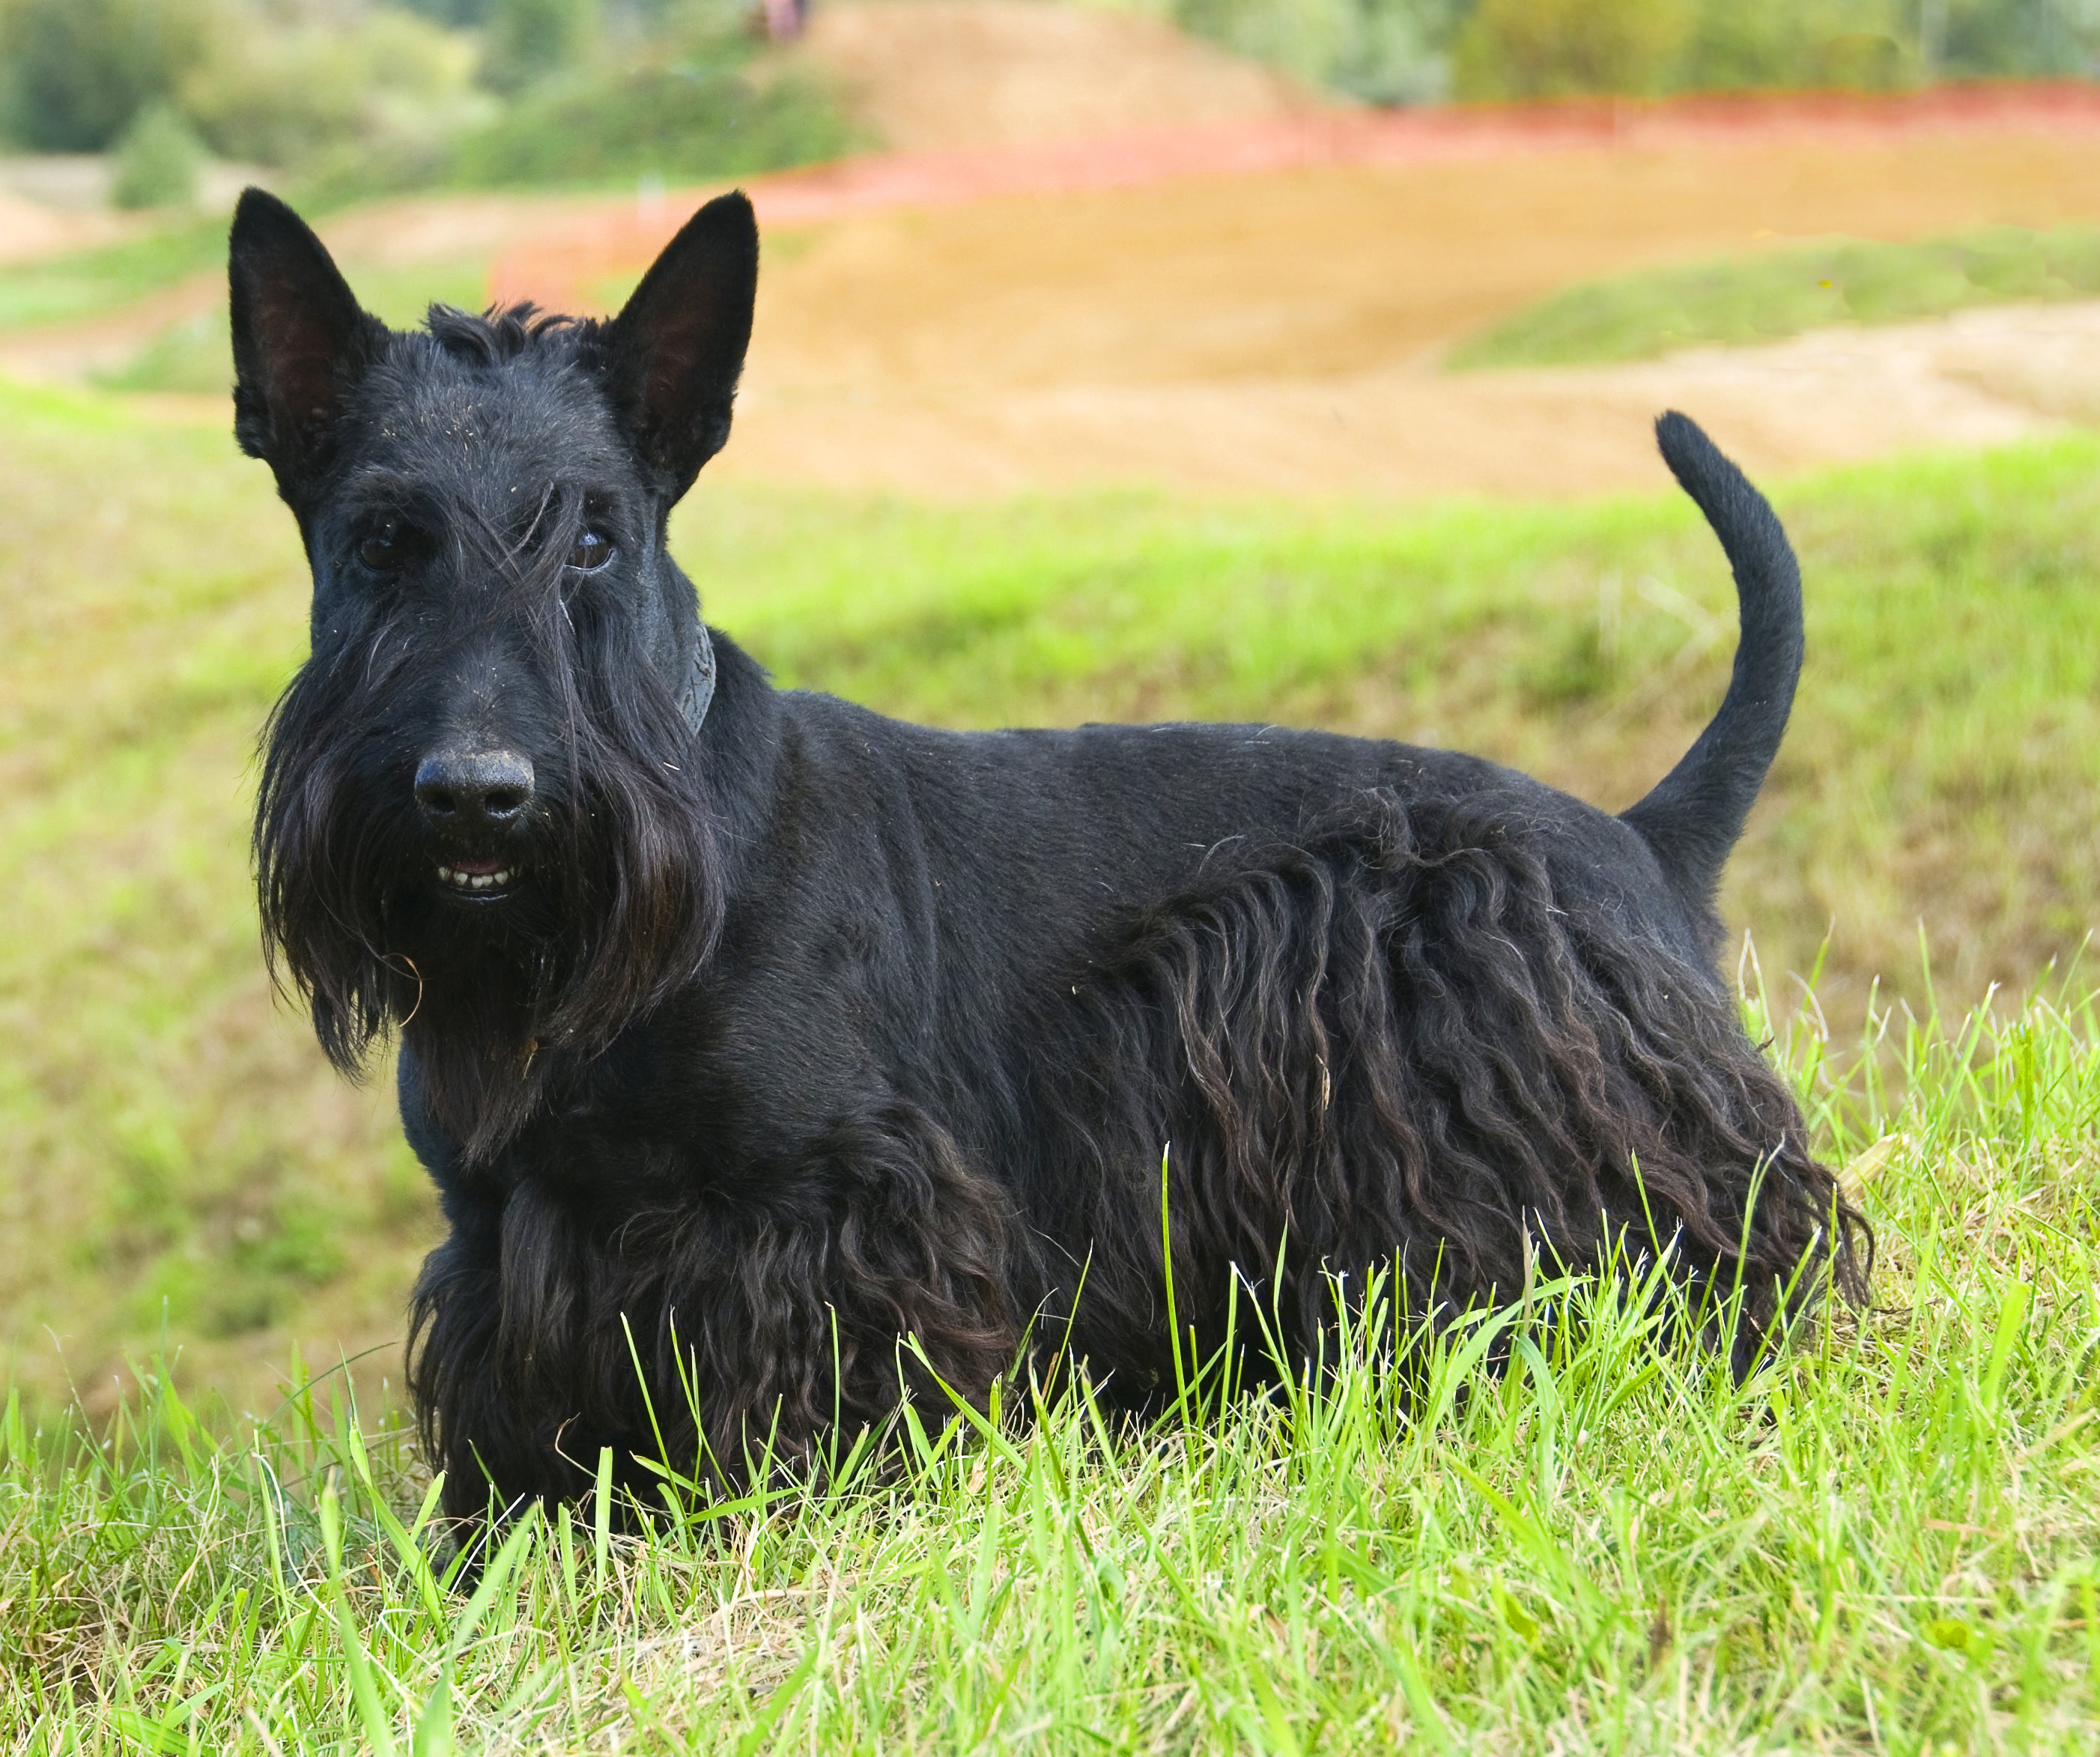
(1251, 291)
(1280, 331)
(1105, 253)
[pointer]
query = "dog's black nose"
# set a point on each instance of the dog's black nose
(474, 789)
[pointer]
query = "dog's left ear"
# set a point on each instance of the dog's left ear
(673, 354)
(300, 339)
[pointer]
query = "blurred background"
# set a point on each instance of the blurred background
(1288, 359)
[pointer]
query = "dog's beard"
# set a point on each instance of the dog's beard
(616, 907)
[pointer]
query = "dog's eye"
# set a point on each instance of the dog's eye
(590, 552)
(382, 548)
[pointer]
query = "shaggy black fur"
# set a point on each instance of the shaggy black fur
(746, 1033)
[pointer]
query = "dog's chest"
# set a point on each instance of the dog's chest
(694, 1107)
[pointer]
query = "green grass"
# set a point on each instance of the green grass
(89, 283)
(1762, 297)
(169, 1141)
(1887, 1540)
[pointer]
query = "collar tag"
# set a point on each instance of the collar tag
(700, 691)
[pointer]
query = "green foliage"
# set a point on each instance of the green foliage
(1553, 1528)
(369, 99)
(157, 160)
(1553, 48)
(1406, 50)
(1759, 299)
(2010, 38)
(527, 40)
(685, 121)
(454, 13)
(371, 84)
(1861, 43)
(79, 70)
(1390, 52)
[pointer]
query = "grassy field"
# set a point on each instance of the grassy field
(1739, 299)
(173, 1145)
(88, 283)
(1885, 1541)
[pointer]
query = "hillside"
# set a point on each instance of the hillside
(174, 1142)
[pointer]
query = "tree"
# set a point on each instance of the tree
(529, 39)
(80, 70)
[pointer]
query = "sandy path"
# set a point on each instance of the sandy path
(1280, 331)
(1251, 290)
(1981, 378)
(30, 229)
(563, 267)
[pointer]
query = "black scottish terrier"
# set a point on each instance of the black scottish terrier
(747, 1033)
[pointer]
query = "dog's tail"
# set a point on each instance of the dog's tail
(1693, 816)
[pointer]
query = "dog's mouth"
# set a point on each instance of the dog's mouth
(482, 880)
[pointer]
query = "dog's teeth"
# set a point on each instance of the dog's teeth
(475, 880)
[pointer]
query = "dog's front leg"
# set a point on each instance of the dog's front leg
(874, 1268)
(756, 1329)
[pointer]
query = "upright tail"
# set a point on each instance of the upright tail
(1693, 816)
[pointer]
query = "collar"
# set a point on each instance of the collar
(701, 690)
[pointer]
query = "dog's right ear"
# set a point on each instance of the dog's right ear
(300, 338)
(673, 354)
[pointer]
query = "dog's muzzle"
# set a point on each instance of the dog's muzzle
(475, 800)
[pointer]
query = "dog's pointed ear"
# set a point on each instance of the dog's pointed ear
(673, 354)
(300, 338)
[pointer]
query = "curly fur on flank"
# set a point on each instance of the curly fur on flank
(1401, 1044)
(780, 1065)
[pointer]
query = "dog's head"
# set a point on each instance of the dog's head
(479, 808)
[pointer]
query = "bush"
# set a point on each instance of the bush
(1405, 50)
(676, 119)
(1804, 42)
(1553, 48)
(529, 40)
(79, 70)
(1390, 52)
(157, 160)
(388, 85)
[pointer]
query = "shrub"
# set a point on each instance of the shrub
(157, 160)
(1404, 50)
(1552, 48)
(2011, 38)
(685, 119)
(529, 40)
(1802, 42)
(296, 94)
(1387, 51)
(79, 70)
